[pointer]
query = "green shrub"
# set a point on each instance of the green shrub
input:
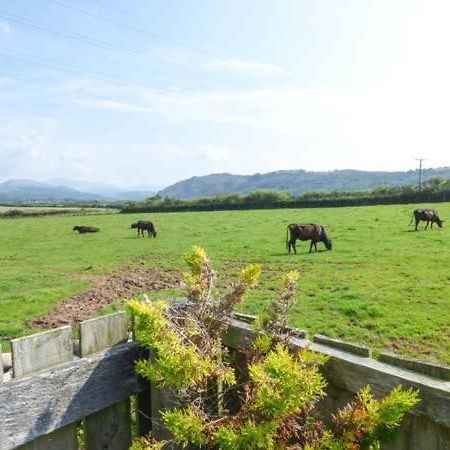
(277, 399)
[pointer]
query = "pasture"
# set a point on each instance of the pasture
(53, 210)
(382, 285)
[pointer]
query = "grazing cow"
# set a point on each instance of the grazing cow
(83, 229)
(143, 225)
(305, 232)
(427, 215)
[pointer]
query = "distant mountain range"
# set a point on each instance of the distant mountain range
(295, 181)
(62, 190)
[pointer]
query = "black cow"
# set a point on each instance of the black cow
(305, 232)
(143, 225)
(83, 229)
(427, 215)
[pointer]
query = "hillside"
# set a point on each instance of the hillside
(34, 191)
(295, 181)
(24, 191)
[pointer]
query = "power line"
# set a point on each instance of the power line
(135, 29)
(189, 35)
(72, 70)
(128, 11)
(55, 65)
(104, 45)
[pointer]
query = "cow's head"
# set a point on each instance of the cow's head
(134, 225)
(75, 228)
(439, 222)
(154, 233)
(328, 244)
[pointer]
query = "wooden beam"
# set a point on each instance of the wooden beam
(40, 351)
(39, 404)
(103, 332)
(36, 352)
(351, 372)
(110, 428)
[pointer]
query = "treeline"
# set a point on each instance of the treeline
(34, 211)
(434, 190)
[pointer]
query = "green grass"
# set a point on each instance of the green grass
(62, 209)
(382, 285)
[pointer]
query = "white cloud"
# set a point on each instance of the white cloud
(389, 124)
(212, 153)
(34, 148)
(246, 67)
(219, 65)
(113, 105)
(5, 27)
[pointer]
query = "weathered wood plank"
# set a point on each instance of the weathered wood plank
(352, 372)
(64, 438)
(103, 332)
(419, 434)
(41, 403)
(144, 412)
(357, 349)
(432, 369)
(40, 351)
(109, 429)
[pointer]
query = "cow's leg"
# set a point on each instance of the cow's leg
(310, 246)
(294, 247)
(426, 226)
(417, 223)
(432, 224)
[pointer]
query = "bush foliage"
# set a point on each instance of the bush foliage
(277, 399)
(433, 189)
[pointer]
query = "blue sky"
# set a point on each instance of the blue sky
(143, 92)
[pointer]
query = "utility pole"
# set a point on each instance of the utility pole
(420, 172)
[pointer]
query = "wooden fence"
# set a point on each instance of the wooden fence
(58, 383)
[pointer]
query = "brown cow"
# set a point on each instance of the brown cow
(427, 215)
(83, 229)
(305, 232)
(142, 225)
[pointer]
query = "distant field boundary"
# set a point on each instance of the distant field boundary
(417, 197)
(14, 213)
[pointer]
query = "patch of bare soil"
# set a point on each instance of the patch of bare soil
(109, 289)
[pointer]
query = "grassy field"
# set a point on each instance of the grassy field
(382, 285)
(54, 209)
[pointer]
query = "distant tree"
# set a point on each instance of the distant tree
(436, 184)
(266, 196)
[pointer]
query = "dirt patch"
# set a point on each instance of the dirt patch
(108, 289)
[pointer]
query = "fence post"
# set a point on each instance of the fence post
(110, 428)
(40, 351)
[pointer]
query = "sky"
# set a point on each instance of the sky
(145, 92)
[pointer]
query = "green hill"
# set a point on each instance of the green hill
(295, 181)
